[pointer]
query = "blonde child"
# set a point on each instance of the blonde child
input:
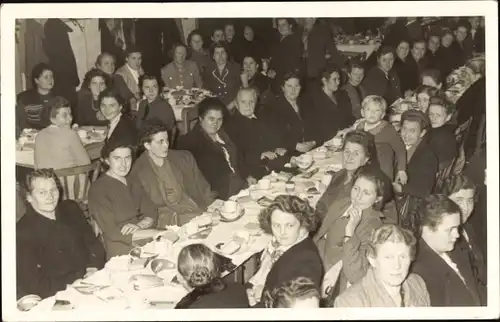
(391, 150)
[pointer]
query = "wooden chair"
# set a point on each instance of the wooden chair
(189, 118)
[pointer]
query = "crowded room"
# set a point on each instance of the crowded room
(227, 163)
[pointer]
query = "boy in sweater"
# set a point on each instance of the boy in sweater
(391, 150)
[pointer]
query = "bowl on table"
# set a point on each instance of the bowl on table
(231, 211)
(28, 302)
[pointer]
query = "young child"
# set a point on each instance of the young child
(390, 147)
(442, 135)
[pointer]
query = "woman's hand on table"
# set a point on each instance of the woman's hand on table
(268, 155)
(354, 220)
(129, 229)
(280, 151)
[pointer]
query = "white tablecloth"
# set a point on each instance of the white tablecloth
(358, 48)
(116, 273)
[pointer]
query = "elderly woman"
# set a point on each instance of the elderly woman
(347, 226)
(442, 139)
(216, 155)
(289, 113)
(200, 273)
(461, 190)
(181, 72)
(120, 125)
(222, 77)
(197, 53)
(424, 94)
(388, 282)
(154, 105)
(111, 203)
(30, 106)
(126, 80)
(255, 137)
(55, 245)
(291, 252)
(382, 80)
(297, 293)
(88, 111)
(330, 110)
(405, 67)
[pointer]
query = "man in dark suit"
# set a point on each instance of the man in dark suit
(445, 268)
(475, 41)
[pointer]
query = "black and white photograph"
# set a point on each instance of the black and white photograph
(240, 157)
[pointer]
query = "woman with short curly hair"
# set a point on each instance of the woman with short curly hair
(291, 253)
(200, 273)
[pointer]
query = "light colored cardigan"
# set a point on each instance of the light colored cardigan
(59, 148)
(369, 292)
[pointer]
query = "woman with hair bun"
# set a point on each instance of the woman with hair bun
(298, 293)
(200, 273)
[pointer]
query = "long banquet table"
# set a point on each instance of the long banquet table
(119, 294)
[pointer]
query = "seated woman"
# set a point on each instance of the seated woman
(330, 110)
(31, 111)
(126, 80)
(348, 225)
(353, 88)
(358, 151)
(55, 246)
(291, 253)
(442, 139)
(154, 105)
(197, 53)
(216, 155)
(111, 203)
(222, 77)
(252, 77)
(447, 59)
(58, 146)
(388, 282)
(88, 111)
(461, 190)
(424, 94)
(254, 137)
(288, 113)
(120, 125)
(181, 72)
(406, 67)
(300, 292)
(382, 80)
(200, 274)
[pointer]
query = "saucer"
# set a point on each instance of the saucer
(241, 213)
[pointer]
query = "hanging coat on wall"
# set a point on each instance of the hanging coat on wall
(109, 43)
(60, 53)
(34, 50)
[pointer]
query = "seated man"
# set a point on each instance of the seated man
(170, 178)
(55, 244)
(445, 268)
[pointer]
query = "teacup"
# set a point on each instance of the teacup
(265, 184)
(230, 206)
(289, 187)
